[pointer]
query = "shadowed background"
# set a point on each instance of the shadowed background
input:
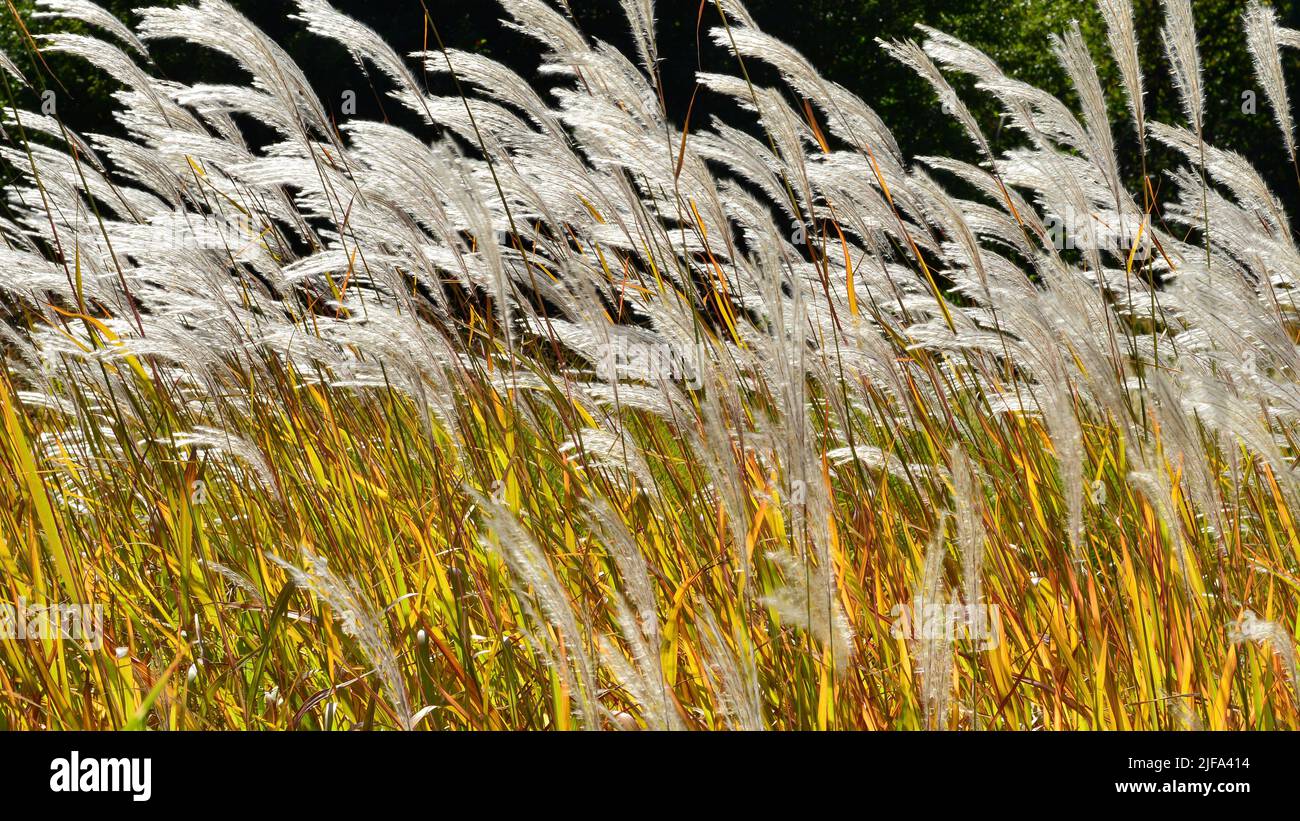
(838, 36)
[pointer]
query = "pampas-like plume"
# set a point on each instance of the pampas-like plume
(90, 13)
(970, 525)
(1185, 69)
(641, 17)
(1251, 628)
(1184, 59)
(733, 673)
(531, 571)
(1261, 38)
(355, 615)
(808, 598)
(1118, 15)
(934, 653)
(8, 66)
(1073, 55)
(913, 56)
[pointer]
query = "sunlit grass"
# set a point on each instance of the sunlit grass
(360, 480)
(383, 499)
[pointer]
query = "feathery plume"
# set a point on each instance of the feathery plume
(1118, 15)
(357, 619)
(88, 12)
(1184, 59)
(1261, 38)
(1251, 628)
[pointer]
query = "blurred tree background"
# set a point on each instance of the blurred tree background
(838, 36)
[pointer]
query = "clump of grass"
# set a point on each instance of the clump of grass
(540, 418)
